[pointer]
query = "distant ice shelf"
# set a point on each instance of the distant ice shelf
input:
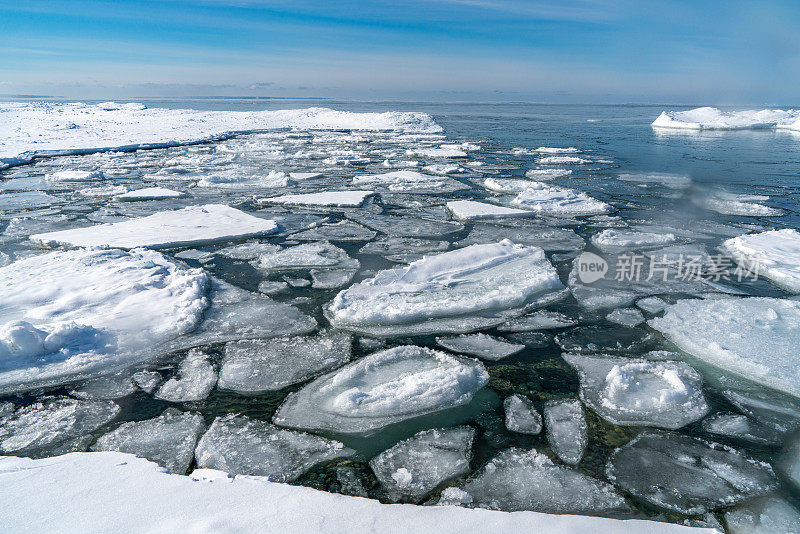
(708, 118)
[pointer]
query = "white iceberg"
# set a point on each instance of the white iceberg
(469, 210)
(708, 118)
(149, 193)
(166, 229)
(559, 201)
(774, 255)
(381, 389)
(342, 199)
(567, 431)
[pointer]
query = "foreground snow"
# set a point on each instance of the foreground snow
(708, 118)
(122, 493)
(33, 129)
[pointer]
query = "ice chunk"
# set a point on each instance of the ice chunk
(636, 392)
(521, 415)
(441, 152)
(756, 338)
(562, 160)
(351, 199)
(567, 431)
(507, 185)
(196, 379)
(149, 193)
(474, 280)
(651, 305)
(330, 266)
(612, 240)
(147, 380)
(188, 226)
(53, 426)
(382, 389)
(403, 249)
(305, 175)
(626, 317)
(469, 209)
(774, 255)
(259, 365)
(540, 320)
(741, 427)
(781, 412)
(106, 387)
(74, 176)
(416, 227)
(559, 201)
(92, 311)
(672, 181)
(410, 181)
(732, 204)
(415, 466)
(547, 174)
(26, 200)
(708, 118)
(481, 345)
(239, 445)
(517, 480)
(687, 475)
(342, 231)
(167, 440)
(767, 516)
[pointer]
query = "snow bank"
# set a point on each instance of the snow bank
(774, 255)
(708, 118)
(28, 130)
(193, 225)
(121, 493)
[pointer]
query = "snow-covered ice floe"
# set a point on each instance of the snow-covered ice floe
(74, 176)
(149, 193)
(755, 337)
(117, 490)
(351, 199)
(188, 226)
(774, 255)
(559, 201)
(727, 203)
(381, 389)
(41, 128)
(708, 118)
(458, 291)
(613, 239)
(470, 209)
(79, 312)
(410, 181)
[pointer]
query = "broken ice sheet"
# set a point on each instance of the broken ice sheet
(417, 227)
(480, 345)
(196, 378)
(549, 239)
(403, 249)
(567, 431)
(629, 317)
(521, 415)
(740, 427)
(342, 231)
(772, 515)
(540, 320)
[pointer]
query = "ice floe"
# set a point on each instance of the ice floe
(774, 255)
(240, 445)
(469, 210)
(344, 230)
(612, 239)
(409, 181)
(167, 440)
(400, 226)
(727, 203)
(687, 475)
(149, 193)
(109, 387)
(559, 201)
(437, 152)
(196, 378)
(382, 389)
(540, 320)
(547, 174)
(188, 226)
(450, 292)
(257, 365)
(415, 466)
(481, 345)
(352, 199)
(403, 249)
(771, 515)
(671, 181)
(626, 317)
(637, 392)
(74, 176)
(567, 431)
(708, 118)
(562, 160)
(740, 427)
(756, 338)
(521, 415)
(330, 266)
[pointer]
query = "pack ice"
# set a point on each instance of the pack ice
(188, 226)
(381, 389)
(755, 337)
(708, 118)
(240, 445)
(415, 466)
(458, 291)
(774, 255)
(81, 312)
(636, 392)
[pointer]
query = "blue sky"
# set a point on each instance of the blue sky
(712, 52)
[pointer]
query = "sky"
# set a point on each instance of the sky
(592, 51)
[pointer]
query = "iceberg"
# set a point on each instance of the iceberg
(708, 118)
(381, 389)
(167, 440)
(559, 201)
(240, 445)
(437, 293)
(637, 392)
(775, 255)
(193, 226)
(341, 199)
(756, 338)
(482, 346)
(417, 465)
(567, 431)
(469, 210)
(521, 415)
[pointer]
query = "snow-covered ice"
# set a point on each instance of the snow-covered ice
(149, 193)
(196, 378)
(726, 203)
(637, 392)
(708, 118)
(547, 174)
(417, 465)
(74, 176)
(382, 389)
(349, 198)
(521, 415)
(167, 440)
(612, 239)
(567, 431)
(774, 255)
(755, 337)
(240, 445)
(687, 475)
(481, 345)
(651, 305)
(409, 181)
(438, 293)
(194, 225)
(559, 201)
(258, 365)
(470, 209)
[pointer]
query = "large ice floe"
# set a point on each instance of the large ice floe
(381, 389)
(188, 226)
(73, 313)
(774, 255)
(755, 337)
(636, 392)
(559, 201)
(687, 475)
(415, 466)
(240, 445)
(469, 209)
(458, 291)
(517, 479)
(119, 491)
(708, 118)
(81, 128)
